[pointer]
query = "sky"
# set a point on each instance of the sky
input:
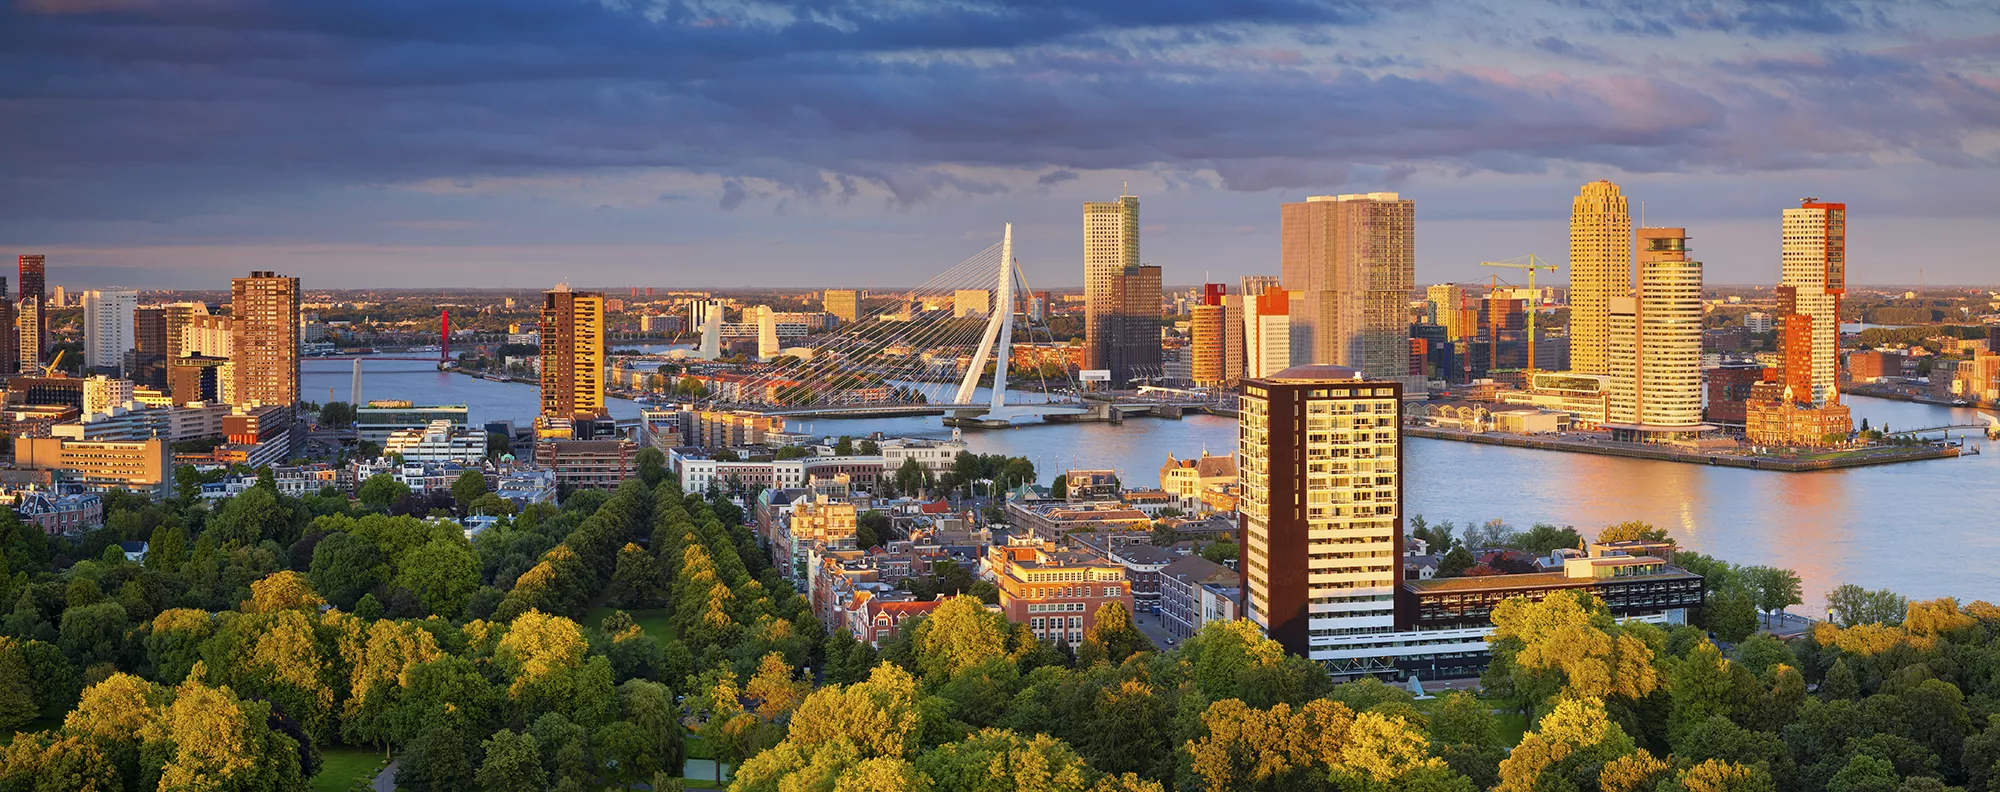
(677, 143)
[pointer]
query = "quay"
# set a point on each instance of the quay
(1830, 461)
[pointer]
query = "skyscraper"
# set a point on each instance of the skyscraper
(1267, 333)
(767, 333)
(1132, 325)
(1447, 302)
(1208, 339)
(1352, 261)
(844, 304)
(265, 346)
(34, 286)
(1110, 244)
(107, 328)
(572, 355)
(146, 364)
(1812, 281)
(180, 317)
(1654, 344)
(1600, 268)
(29, 326)
(1320, 453)
(10, 335)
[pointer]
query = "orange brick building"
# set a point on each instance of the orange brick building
(1056, 591)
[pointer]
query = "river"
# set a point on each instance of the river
(1925, 529)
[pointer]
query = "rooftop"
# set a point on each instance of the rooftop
(1537, 580)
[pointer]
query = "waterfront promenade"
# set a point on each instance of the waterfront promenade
(1590, 444)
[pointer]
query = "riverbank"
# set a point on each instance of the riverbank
(1832, 461)
(1895, 394)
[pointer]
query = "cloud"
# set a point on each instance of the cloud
(1055, 177)
(163, 112)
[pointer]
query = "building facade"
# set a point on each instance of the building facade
(1056, 591)
(1132, 327)
(1352, 260)
(1812, 281)
(844, 304)
(265, 344)
(143, 466)
(1321, 469)
(1267, 332)
(1110, 245)
(1654, 344)
(107, 328)
(1600, 270)
(572, 355)
(34, 327)
(1207, 341)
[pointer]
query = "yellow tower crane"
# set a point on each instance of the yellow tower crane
(1531, 263)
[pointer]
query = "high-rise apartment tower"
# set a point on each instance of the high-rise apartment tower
(265, 347)
(107, 328)
(1320, 453)
(572, 354)
(1654, 338)
(1812, 283)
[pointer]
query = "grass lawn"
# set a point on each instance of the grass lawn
(44, 723)
(1512, 724)
(342, 768)
(653, 621)
(698, 749)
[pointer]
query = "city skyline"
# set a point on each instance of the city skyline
(760, 146)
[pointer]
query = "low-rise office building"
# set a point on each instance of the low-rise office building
(589, 464)
(1056, 591)
(144, 466)
(441, 441)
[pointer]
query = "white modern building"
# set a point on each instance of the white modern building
(441, 441)
(108, 332)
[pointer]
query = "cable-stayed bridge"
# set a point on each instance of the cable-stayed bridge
(944, 348)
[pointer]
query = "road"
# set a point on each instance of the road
(1150, 624)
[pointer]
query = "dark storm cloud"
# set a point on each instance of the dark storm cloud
(145, 109)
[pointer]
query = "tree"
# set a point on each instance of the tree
(1112, 636)
(1456, 562)
(1848, 605)
(442, 573)
(470, 485)
(1731, 614)
(513, 764)
(1776, 589)
(1715, 775)
(251, 517)
(1632, 531)
(17, 692)
(872, 529)
(1864, 773)
(381, 491)
(1221, 552)
(1565, 749)
(336, 415)
(638, 581)
(1566, 645)
(1544, 538)
(346, 566)
(959, 634)
(911, 477)
(791, 452)
(285, 590)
